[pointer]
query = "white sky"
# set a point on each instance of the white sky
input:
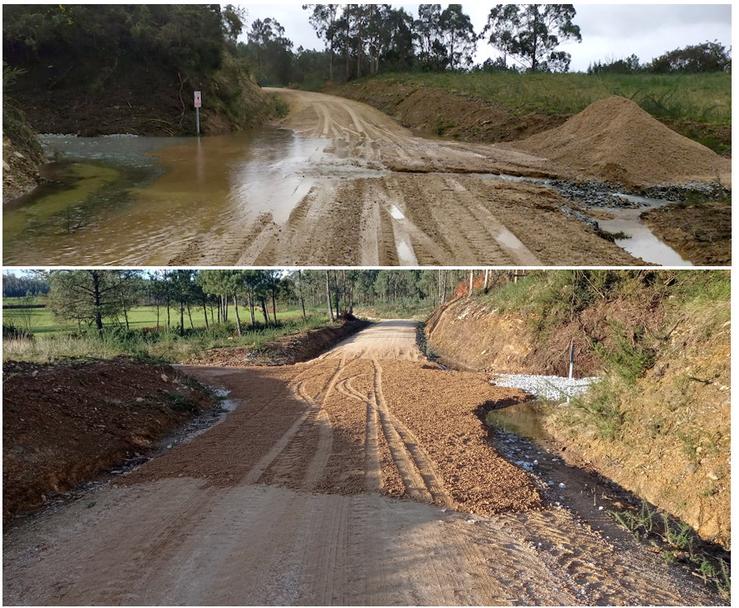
(609, 31)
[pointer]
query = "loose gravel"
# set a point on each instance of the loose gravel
(552, 388)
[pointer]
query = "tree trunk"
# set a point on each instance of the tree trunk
(189, 316)
(263, 302)
(251, 308)
(300, 292)
(238, 319)
(182, 317)
(328, 297)
(274, 307)
(205, 312)
(98, 302)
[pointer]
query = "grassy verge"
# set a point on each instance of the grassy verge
(677, 542)
(146, 344)
(696, 105)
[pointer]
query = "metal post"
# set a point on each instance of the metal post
(572, 359)
(197, 121)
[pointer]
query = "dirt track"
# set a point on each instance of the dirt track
(294, 498)
(372, 193)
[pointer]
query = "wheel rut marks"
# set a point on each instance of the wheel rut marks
(415, 469)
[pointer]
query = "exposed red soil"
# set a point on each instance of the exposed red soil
(65, 424)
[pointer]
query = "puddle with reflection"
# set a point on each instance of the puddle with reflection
(640, 241)
(143, 200)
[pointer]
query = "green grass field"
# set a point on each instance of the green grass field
(697, 105)
(41, 321)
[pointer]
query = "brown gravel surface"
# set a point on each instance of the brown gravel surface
(440, 409)
(290, 500)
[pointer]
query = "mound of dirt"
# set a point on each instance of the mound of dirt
(614, 140)
(64, 424)
(286, 350)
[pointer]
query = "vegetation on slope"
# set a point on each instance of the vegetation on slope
(130, 68)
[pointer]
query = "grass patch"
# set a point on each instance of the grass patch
(43, 321)
(676, 542)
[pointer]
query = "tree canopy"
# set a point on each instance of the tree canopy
(531, 33)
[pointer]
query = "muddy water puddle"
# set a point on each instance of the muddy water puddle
(145, 200)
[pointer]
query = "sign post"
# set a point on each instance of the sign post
(198, 99)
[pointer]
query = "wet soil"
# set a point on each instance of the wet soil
(519, 433)
(700, 232)
(334, 482)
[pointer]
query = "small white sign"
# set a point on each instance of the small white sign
(198, 100)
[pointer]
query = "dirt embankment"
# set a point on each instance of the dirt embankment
(22, 153)
(667, 432)
(435, 112)
(700, 232)
(65, 424)
(286, 350)
(611, 140)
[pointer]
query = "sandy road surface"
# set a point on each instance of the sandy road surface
(372, 193)
(346, 480)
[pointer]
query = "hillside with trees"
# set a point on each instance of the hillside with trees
(95, 70)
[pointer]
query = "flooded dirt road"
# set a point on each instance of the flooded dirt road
(362, 477)
(338, 182)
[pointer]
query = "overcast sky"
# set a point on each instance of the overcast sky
(609, 31)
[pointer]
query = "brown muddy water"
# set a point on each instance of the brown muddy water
(139, 200)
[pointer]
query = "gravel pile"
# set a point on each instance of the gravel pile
(553, 388)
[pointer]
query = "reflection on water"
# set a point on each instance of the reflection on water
(641, 242)
(143, 200)
(523, 419)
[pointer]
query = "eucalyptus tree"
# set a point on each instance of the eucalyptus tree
(530, 34)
